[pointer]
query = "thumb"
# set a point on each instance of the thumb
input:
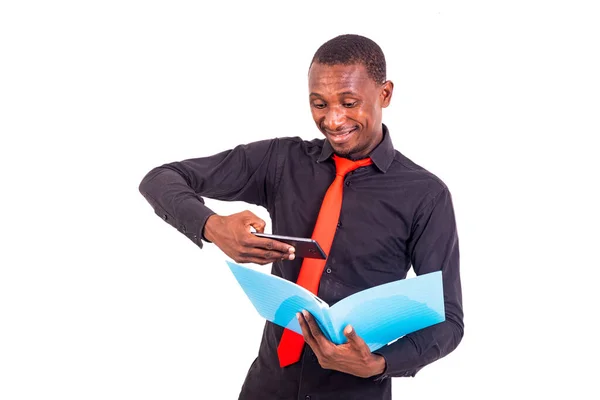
(351, 335)
(254, 221)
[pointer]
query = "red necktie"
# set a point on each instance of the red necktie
(291, 344)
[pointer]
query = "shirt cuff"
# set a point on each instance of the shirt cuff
(191, 221)
(400, 357)
(203, 225)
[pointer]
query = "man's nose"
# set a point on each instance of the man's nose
(334, 119)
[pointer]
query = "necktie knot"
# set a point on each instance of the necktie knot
(345, 165)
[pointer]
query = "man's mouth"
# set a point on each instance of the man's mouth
(341, 137)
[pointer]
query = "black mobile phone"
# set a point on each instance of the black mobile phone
(305, 247)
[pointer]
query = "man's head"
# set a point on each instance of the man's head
(348, 90)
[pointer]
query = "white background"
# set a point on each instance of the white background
(100, 299)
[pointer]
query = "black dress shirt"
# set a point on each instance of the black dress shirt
(394, 214)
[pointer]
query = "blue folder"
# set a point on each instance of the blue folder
(379, 315)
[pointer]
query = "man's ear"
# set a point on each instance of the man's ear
(386, 93)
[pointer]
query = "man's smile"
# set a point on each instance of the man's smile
(341, 137)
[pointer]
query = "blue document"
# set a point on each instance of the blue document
(379, 315)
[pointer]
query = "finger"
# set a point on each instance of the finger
(266, 248)
(353, 338)
(258, 227)
(308, 337)
(315, 331)
(263, 254)
(273, 245)
(252, 220)
(249, 219)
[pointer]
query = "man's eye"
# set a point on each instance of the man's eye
(350, 105)
(318, 105)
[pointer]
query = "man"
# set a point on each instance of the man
(394, 214)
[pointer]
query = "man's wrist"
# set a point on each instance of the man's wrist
(210, 227)
(378, 364)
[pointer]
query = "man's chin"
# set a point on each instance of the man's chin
(342, 151)
(351, 153)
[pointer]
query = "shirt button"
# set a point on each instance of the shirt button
(339, 225)
(165, 217)
(328, 270)
(347, 183)
(307, 397)
(183, 229)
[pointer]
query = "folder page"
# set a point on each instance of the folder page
(384, 313)
(278, 300)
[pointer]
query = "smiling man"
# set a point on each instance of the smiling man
(375, 211)
(346, 103)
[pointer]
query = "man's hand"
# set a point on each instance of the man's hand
(232, 235)
(353, 357)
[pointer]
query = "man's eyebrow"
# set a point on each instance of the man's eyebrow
(339, 94)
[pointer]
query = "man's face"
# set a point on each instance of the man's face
(346, 105)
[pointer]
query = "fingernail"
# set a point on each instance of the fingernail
(305, 313)
(292, 250)
(292, 256)
(349, 329)
(298, 316)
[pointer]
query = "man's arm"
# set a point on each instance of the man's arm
(433, 246)
(246, 173)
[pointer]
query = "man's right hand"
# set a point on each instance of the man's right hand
(232, 235)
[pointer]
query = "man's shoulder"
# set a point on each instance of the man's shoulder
(412, 171)
(297, 144)
(298, 141)
(286, 143)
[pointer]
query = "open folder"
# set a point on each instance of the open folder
(379, 315)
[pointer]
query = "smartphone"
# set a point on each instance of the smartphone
(305, 247)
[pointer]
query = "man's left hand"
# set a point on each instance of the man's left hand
(353, 357)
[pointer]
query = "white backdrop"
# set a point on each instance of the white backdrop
(100, 299)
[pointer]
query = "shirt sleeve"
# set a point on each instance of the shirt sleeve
(175, 190)
(433, 246)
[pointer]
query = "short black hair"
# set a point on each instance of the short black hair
(353, 49)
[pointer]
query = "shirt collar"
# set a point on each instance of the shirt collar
(382, 155)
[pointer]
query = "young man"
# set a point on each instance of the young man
(394, 214)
